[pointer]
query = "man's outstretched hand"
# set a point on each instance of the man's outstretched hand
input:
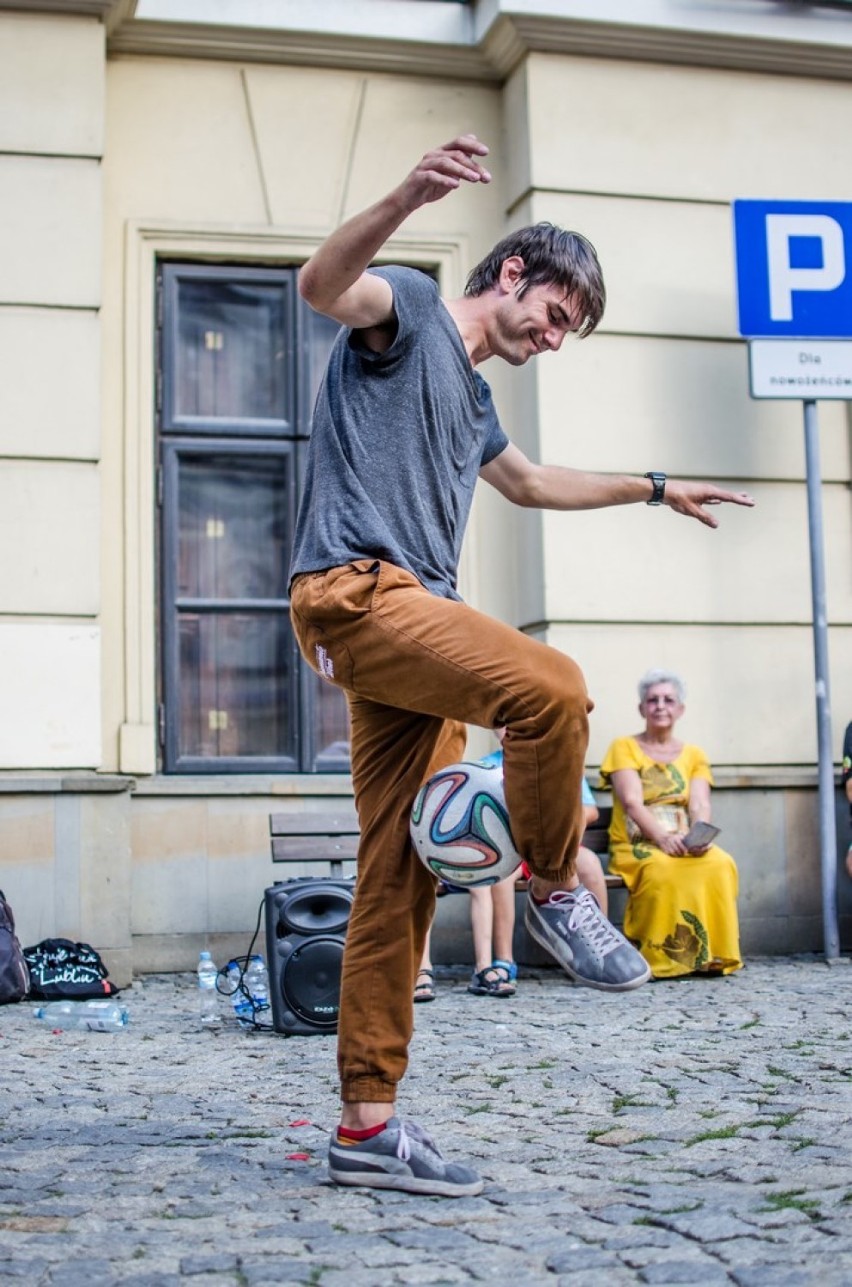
(689, 498)
(444, 169)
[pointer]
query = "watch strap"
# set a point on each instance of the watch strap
(658, 482)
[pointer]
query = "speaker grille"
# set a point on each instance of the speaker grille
(315, 910)
(310, 981)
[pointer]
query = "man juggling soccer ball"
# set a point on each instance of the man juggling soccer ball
(403, 427)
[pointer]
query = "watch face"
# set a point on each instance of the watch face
(659, 483)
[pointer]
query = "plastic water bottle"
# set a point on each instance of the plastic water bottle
(96, 1015)
(257, 982)
(239, 994)
(208, 1000)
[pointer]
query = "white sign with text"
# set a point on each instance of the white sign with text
(815, 370)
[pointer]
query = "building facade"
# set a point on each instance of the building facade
(165, 166)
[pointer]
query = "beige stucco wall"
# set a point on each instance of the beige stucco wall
(609, 148)
(51, 138)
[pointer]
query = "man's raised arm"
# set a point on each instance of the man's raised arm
(334, 280)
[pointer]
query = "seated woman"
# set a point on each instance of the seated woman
(682, 907)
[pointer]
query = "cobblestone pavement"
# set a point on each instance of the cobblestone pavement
(694, 1132)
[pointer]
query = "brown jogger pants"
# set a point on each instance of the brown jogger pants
(416, 668)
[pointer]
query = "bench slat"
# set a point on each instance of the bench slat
(314, 848)
(314, 824)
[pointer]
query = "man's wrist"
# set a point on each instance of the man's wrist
(658, 485)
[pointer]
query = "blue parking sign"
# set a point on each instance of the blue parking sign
(794, 268)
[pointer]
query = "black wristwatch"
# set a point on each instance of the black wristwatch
(659, 493)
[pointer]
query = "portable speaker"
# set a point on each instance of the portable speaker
(306, 920)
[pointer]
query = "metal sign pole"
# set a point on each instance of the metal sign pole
(828, 835)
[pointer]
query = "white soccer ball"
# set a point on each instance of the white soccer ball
(460, 826)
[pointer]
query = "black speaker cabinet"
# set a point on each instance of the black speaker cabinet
(306, 920)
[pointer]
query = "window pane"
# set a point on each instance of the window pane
(331, 727)
(233, 526)
(231, 350)
(236, 685)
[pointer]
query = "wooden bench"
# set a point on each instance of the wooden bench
(333, 838)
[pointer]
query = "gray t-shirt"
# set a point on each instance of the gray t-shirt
(398, 441)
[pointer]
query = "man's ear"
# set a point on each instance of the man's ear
(511, 272)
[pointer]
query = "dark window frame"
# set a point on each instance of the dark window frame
(180, 436)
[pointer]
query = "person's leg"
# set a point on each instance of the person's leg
(394, 902)
(499, 977)
(591, 874)
(424, 984)
(503, 900)
(481, 924)
(486, 981)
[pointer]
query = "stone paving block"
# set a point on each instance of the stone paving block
(576, 1258)
(216, 1263)
(82, 1273)
(268, 1273)
(680, 1273)
(780, 1275)
(616, 1276)
(706, 1226)
(151, 1280)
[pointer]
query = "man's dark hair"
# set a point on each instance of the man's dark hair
(551, 256)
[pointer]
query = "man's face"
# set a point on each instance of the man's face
(532, 323)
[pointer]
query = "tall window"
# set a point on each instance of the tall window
(239, 361)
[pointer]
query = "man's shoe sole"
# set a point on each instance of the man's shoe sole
(541, 936)
(405, 1183)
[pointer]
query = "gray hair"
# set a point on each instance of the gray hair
(660, 676)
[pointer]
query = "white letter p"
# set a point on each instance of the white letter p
(783, 277)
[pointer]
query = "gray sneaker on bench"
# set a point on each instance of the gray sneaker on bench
(573, 929)
(402, 1156)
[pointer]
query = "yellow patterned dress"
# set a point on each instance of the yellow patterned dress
(681, 912)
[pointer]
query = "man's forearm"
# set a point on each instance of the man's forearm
(555, 487)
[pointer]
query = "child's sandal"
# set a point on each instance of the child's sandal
(494, 981)
(424, 991)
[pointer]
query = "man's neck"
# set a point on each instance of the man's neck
(468, 316)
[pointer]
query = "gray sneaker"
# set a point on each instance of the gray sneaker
(573, 929)
(402, 1156)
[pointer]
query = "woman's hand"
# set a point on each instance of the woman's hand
(671, 842)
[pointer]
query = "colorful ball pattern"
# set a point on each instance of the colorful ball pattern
(460, 826)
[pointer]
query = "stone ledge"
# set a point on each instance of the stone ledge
(46, 783)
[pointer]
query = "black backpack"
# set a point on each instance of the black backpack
(64, 971)
(14, 976)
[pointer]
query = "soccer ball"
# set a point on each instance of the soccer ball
(460, 827)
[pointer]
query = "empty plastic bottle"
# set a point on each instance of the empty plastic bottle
(240, 997)
(96, 1015)
(257, 982)
(208, 998)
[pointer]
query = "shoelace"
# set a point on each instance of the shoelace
(587, 916)
(409, 1131)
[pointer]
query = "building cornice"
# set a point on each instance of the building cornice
(801, 48)
(484, 40)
